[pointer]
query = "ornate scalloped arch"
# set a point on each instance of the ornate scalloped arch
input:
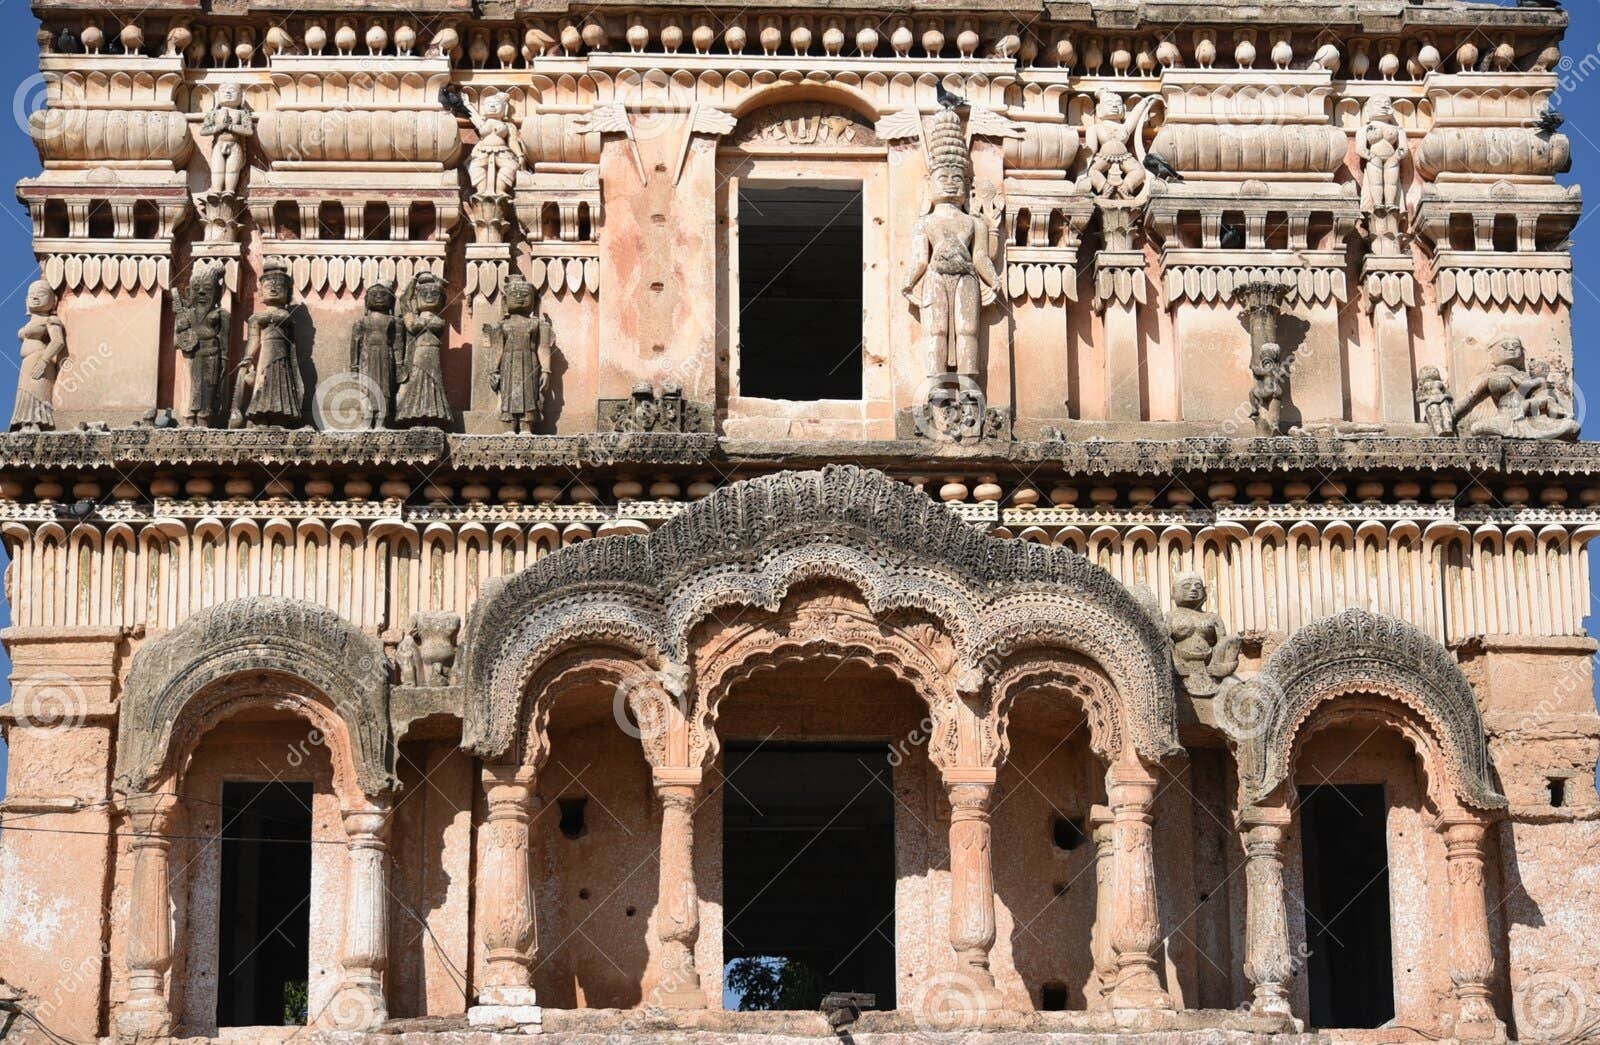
(1354, 653)
(745, 546)
(285, 637)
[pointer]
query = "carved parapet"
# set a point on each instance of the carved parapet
(112, 236)
(1222, 126)
(115, 112)
(1240, 220)
(1044, 224)
(336, 112)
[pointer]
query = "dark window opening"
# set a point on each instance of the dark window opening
(1558, 791)
(800, 293)
(1053, 997)
(1067, 833)
(808, 875)
(572, 816)
(1345, 848)
(265, 915)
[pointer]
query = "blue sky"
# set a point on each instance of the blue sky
(1580, 101)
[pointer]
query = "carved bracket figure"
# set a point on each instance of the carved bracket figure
(230, 124)
(1434, 401)
(426, 654)
(647, 410)
(492, 167)
(1383, 149)
(1203, 654)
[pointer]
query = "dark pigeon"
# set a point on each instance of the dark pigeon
(1157, 164)
(1548, 121)
(450, 98)
(67, 42)
(948, 100)
(1232, 237)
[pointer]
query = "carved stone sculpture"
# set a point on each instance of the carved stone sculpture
(435, 635)
(1203, 653)
(200, 329)
(493, 165)
(1112, 135)
(230, 124)
(1383, 149)
(377, 355)
(44, 345)
(408, 657)
(647, 410)
(271, 366)
(952, 259)
(422, 399)
(1527, 405)
(1271, 372)
(520, 347)
(1435, 402)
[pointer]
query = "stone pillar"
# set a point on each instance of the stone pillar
(359, 1003)
(972, 928)
(146, 1013)
(1262, 301)
(678, 908)
(1105, 892)
(1136, 920)
(1471, 958)
(1266, 943)
(1119, 294)
(510, 929)
(1390, 284)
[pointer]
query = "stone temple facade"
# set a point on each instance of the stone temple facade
(483, 472)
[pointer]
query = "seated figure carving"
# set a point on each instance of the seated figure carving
(1528, 405)
(1203, 653)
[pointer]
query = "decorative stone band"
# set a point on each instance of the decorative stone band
(1496, 278)
(341, 267)
(1357, 654)
(1200, 277)
(66, 265)
(552, 268)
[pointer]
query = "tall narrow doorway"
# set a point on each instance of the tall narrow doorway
(265, 928)
(808, 874)
(1345, 845)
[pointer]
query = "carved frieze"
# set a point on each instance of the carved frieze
(804, 125)
(648, 410)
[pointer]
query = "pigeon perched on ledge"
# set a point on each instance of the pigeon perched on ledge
(1157, 164)
(948, 100)
(450, 98)
(1548, 121)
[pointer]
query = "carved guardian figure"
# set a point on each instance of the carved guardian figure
(377, 354)
(1383, 149)
(230, 124)
(422, 400)
(271, 367)
(520, 347)
(200, 330)
(1271, 372)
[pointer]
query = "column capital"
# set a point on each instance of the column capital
(662, 777)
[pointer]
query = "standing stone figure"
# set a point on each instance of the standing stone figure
(271, 366)
(1437, 405)
(950, 257)
(1526, 406)
(230, 124)
(200, 329)
(1203, 653)
(422, 399)
(1112, 135)
(44, 345)
(1382, 146)
(1266, 395)
(497, 156)
(377, 355)
(520, 348)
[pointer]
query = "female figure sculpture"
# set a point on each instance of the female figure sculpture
(1203, 653)
(1526, 406)
(1112, 138)
(1433, 396)
(497, 156)
(1382, 145)
(377, 354)
(519, 357)
(1266, 395)
(951, 259)
(44, 345)
(200, 330)
(422, 399)
(271, 364)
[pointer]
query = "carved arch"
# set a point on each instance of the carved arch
(1351, 656)
(748, 544)
(283, 637)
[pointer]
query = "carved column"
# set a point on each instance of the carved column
(678, 908)
(1262, 301)
(510, 931)
(972, 928)
(1266, 944)
(1391, 287)
(359, 1004)
(1471, 958)
(1119, 294)
(146, 1013)
(1105, 892)
(1136, 921)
